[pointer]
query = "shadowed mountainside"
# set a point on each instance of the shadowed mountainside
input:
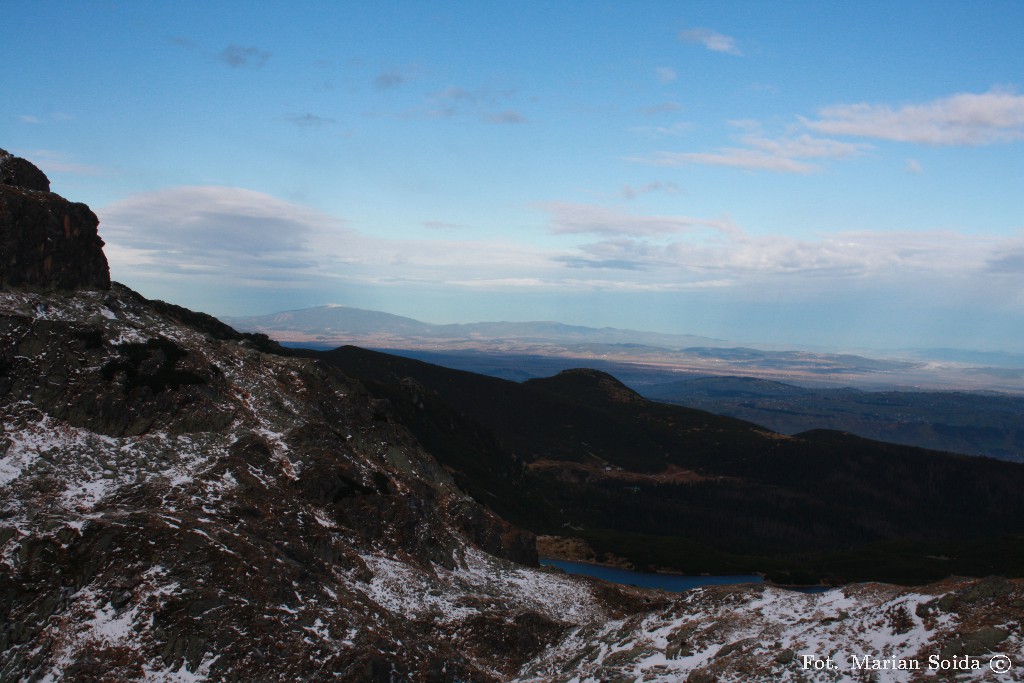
(579, 454)
(974, 423)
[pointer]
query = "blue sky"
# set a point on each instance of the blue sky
(820, 173)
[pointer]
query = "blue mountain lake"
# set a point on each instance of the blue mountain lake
(665, 582)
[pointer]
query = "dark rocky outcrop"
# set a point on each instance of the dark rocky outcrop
(46, 242)
(21, 173)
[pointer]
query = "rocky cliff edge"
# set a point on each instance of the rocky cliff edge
(46, 242)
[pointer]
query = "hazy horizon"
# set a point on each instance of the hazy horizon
(785, 173)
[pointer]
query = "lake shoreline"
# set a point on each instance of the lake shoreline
(676, 583)
(668, 581)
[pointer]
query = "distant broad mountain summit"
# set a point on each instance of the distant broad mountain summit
(343, 324)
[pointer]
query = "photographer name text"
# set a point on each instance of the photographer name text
(999, 663)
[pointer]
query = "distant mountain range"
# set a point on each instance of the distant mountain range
(330, 326)
(342, 324)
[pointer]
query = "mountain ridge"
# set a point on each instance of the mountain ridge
(335, 325)
(327, 321)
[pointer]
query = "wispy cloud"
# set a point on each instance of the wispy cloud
(443, 225)
(738, 256)
(53, 116)
(661, 108)
(665, 74)
(672, 130)
(792, 154)
(397, 76)
(485, 103)
(963, 119)
(572, 218)
(1010, 262)
(238, 57)
(508, 116)
(390, 79)
(308, 120)
(712, 40)
(630, 192)
(52, 161)
(447, 102)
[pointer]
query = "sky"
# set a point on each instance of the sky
(844, 175)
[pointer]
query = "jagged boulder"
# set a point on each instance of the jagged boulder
(46, 242)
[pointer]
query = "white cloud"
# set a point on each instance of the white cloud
(685, 250)
(738, 256)
(665, 74)
(229, 236)
(234, 243)
(443, 225)
(963, 119)
(53, 116)
(630, 192)
(712, 40)
(793, 154)
(673, 130)
(661, 108)
(587, 219)
(226, 233)
(735, 157)
(501, 283)
(52, 161)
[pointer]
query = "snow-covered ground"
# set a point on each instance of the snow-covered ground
(864, 632)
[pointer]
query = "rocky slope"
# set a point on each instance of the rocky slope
(180, 502)
(173, 500)
(964, 631)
